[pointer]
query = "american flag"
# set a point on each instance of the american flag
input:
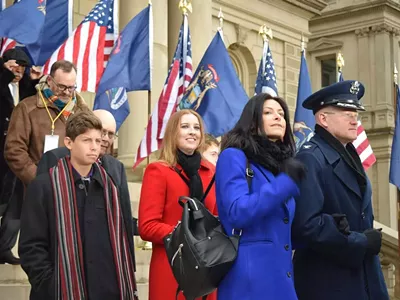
(361, 143)
(179, 76)
(90, 45)
(6, 43)
(266, 78)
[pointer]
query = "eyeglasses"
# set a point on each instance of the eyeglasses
(346, 114)
(63, 88)
(111, 135)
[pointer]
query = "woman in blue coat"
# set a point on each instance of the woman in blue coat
(261, 209)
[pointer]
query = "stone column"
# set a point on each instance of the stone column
(200, 25)
(132, 130)
(380, 99)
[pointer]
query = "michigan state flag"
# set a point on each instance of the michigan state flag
(215, 91)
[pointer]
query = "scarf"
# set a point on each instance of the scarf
(191, 165)
(70, 278)
(348, 154)
(268, 154)
(44, 88)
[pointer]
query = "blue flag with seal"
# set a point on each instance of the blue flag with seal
(215, 91)
(266, 77)
(304, 121)
(23, 21)
(394, 174)
(128, 68)
(57, 28)
(114, 100)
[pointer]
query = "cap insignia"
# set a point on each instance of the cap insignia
(355, 87)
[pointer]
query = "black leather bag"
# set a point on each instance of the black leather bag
(199, 251)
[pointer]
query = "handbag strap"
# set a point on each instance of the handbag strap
(178, 290)
(188, 183)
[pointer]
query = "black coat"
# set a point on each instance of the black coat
(26, 89)
(113, 167)
(328, 264)
(37, 245)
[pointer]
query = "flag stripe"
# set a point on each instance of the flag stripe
(90, 45)
(361, 143)
(6, 45)
(363, 147)
(179, 76)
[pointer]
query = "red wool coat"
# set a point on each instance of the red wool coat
(159, 212)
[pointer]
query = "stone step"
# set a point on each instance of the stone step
(142, 265)
(20, 291)
(15, 274)
(14, 291)
(10, 273)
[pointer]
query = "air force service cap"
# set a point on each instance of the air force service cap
(344, 94)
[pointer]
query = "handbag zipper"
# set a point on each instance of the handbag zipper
(179, 251)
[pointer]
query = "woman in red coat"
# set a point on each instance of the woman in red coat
(159, 210)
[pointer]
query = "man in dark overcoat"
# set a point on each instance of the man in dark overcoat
(15, 85)
(337, 247)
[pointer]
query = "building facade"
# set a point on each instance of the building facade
(366, 32)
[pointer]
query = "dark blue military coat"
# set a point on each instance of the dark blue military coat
(329, 265)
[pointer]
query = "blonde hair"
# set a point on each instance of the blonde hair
(170, 141)
(210, 140)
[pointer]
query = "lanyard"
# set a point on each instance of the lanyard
(48, 112)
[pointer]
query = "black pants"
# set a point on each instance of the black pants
(11, 198)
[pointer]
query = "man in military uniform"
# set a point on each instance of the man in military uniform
(336, 246)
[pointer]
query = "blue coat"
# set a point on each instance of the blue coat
(263, 268)
(329, 265)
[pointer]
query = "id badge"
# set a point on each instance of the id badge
(50, 142)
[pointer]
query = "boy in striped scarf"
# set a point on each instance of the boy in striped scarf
(73, 242)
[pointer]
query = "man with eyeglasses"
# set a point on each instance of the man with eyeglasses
(17, 81)
(337, 247)
(38, 123)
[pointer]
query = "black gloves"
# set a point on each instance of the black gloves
(294, 168)
(341, 223)
(374, 240)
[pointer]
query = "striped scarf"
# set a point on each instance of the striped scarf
(70, 278)
(44, 88)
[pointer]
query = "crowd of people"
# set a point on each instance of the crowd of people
(68, 196)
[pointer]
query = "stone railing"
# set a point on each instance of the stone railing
(390, 260)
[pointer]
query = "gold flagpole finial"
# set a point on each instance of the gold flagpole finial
(303, 43)
(340, 61)
(185, 6)
(266, 33)
(395, 74)
(221, 19)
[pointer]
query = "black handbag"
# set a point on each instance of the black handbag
(199, 251)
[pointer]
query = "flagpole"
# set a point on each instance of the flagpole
(221, 20)
(340, 64)
(395, 76)
(395, 85)
(146, 244)
(266, 34)
(151, 70)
